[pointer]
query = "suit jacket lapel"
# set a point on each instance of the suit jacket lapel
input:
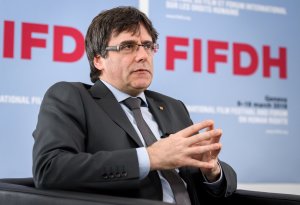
(107, 101)
(160, 112)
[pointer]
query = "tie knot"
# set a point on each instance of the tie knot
(133, 103)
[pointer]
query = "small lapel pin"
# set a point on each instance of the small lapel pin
(161, 107)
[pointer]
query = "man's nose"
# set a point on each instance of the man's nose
(141, 53)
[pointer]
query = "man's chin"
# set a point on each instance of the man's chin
(138, 88)
(141, 84)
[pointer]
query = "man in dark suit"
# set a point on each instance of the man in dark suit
(88, 139)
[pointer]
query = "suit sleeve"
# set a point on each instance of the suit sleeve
(60, 159)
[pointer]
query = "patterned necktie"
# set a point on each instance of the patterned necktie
(176, 183)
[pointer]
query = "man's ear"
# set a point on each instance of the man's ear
(98, 62)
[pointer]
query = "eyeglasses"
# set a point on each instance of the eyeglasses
(131, 47)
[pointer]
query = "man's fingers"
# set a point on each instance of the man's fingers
(214, 139)
(212, 148)
(210, 127)
(195, 128)
(214, 153)
(217, 138)
(213, 134)
(199, 164)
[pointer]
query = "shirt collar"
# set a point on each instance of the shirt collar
(120, 96)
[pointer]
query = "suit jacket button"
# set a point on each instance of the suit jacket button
(124, 174)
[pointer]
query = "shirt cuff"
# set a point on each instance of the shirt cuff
(215, 184)
(144, 162)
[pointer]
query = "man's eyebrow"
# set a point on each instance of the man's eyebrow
(128, 42)
(133, 41)
(147, 41)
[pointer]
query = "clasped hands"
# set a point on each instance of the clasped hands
(197, 145)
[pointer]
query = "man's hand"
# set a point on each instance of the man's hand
(212, 174)
(189, 147)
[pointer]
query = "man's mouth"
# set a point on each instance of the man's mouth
(141, 71)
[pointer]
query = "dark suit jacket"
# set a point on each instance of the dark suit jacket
(84, 141)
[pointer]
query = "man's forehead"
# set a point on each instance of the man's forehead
(128, 34)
